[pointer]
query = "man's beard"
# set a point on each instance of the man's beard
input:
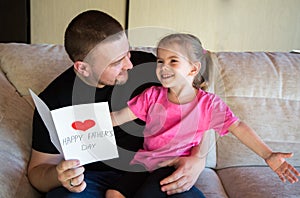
(123, 79)
(120, 82)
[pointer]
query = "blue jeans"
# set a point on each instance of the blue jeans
(146, 185)
(99, 181)
(97, 184)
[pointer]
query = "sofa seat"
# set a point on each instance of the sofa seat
(256, 182)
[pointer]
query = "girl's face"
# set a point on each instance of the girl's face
(173, 67)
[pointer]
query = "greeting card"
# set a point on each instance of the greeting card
(82, 132)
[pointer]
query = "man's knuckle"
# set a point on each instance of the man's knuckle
(177, 174)
(60, 177)
(178, 183)
(58, 168)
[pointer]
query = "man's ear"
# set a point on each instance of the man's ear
(82, 68)
(195, 68)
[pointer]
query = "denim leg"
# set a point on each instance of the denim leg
(97, 184)
(151, 186)
(192, 193)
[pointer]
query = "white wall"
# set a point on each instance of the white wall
(221, 25)
(49, 18)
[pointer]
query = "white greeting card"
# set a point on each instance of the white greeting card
(82, 132)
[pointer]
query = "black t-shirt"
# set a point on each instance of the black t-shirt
(67, 90)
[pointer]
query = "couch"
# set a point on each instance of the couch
(262, 89)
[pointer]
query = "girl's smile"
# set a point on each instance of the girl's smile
(173, 68)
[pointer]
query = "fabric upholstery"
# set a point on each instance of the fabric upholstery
(210, 184)
(15, 141)
(262, 89)
(22, 67)
(32, 66)
(256, 182)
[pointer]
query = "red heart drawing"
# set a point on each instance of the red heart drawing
(83, 126)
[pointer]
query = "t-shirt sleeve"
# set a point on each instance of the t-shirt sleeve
(139, 105)
(221, 116)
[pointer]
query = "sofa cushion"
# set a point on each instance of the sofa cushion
(256, 182)
(262, 89)
(25, 65)
(15, 141)
(210, 184)
(22, 67)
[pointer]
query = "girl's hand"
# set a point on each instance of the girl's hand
(284, 170)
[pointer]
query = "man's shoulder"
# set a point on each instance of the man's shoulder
(59, 85)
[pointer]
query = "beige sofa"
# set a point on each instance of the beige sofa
(263, 89)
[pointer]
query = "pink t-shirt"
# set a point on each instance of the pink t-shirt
(171, 129)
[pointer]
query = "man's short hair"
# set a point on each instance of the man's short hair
(88, 29)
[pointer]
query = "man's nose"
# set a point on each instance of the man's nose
(127, 63)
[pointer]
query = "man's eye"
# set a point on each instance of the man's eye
(116, 63)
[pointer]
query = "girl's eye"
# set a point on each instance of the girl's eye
(159, 61)
(174, 61)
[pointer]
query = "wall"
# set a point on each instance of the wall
(222, 25)
(49, 18)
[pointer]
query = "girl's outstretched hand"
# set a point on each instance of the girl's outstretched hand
(283, 169)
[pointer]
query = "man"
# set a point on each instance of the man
(99, 48)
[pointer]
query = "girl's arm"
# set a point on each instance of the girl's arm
(122, 116)
(248, 137)
(276, 161)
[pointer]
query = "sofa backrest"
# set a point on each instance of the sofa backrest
(22, 67)
(262, 89)
(32, 66)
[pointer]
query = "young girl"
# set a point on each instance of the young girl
(177, 114)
